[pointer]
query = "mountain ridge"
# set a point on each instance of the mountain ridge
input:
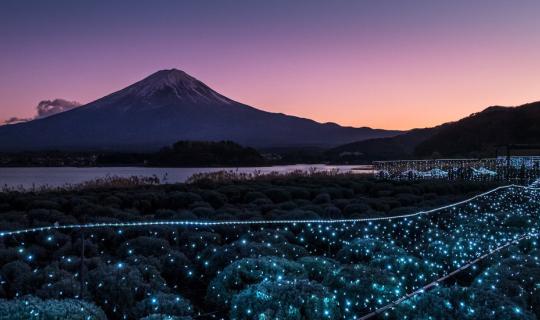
(477, 135)
(168, 106)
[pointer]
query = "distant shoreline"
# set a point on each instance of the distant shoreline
(355, 166)
(35, 177)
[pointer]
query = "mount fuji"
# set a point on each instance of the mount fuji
(168, 106)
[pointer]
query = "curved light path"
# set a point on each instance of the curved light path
(441, 279)
(185, 223)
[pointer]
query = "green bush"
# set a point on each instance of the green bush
(458, 303)
(242, 273)
(287, 300)
(30, 307)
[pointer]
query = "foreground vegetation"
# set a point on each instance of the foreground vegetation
(281, 271)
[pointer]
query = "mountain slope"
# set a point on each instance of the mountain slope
(475, 136)
(398, 147)
(480, 133)
(168, 106)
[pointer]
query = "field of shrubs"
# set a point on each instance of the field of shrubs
(259, 271)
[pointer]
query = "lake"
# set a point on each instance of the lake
(28, 178)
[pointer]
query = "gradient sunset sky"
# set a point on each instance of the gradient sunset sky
(384, 64)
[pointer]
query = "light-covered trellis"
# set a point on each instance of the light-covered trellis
(513, 169)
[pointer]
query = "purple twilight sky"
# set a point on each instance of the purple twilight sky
(386, 64)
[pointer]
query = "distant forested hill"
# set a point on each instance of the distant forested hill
(481, 132)
(474, 136)
(398, 147)
(206, 153)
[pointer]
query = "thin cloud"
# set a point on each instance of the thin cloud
(14, 120)
(46, 108)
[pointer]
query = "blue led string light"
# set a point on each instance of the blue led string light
(187, 223)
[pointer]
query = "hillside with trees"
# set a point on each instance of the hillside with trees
(205, 153)
(477, 135)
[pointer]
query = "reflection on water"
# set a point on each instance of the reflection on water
(59, 176)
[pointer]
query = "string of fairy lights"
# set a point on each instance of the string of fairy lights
(6, 233)
(404, 251)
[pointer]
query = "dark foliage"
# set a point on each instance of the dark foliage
(238, 272)
(203, 153)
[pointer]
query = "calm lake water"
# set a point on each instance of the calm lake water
(28, 178)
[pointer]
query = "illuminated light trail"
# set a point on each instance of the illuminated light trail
(186, 223)
(436, 283)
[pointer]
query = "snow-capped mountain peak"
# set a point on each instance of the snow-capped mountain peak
(179, 84)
